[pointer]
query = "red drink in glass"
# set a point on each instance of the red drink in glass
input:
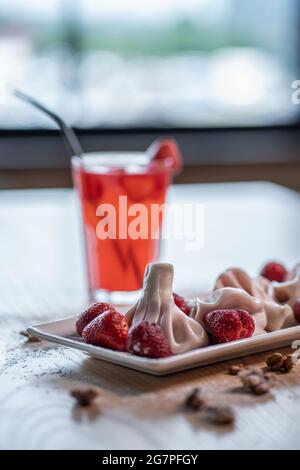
(109, 184)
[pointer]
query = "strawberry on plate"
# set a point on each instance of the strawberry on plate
(138, 187)
(88, 315)
(274, 272)
(148, 339)
(109, 330)
(229, 325)
(181, 303)
(296, 309)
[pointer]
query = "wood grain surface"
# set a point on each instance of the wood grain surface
(42, 278)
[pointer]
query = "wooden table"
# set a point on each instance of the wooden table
(42, 277)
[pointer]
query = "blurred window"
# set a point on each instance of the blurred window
(165, 63)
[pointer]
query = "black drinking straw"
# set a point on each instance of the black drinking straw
(70, 138)
(74, 148)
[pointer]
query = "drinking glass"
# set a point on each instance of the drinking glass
(122, 196)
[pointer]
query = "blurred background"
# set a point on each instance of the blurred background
(215, 74)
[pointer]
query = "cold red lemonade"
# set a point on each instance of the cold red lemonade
(112, 188)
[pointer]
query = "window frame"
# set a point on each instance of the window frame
(44, 149)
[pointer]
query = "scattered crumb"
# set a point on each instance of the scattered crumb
(195, 401)
(30, 338)
(288, 363)
(221, 415)
(277, 362)
(85, 397)
(214, 414)
(256, 381)
(235, 370)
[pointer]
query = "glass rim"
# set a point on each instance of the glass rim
(133, 161)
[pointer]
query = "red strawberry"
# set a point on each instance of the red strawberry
(148, 339)
(88, 315)
(181, 303)
(109, 330)
(297, 310)
(230, 325)
(138, 187)
(91, 186)
(248, 324)
(274, 272)
(166, 149)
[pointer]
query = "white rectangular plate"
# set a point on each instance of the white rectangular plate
(63, 332)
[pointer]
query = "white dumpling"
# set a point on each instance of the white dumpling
(156, 305)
